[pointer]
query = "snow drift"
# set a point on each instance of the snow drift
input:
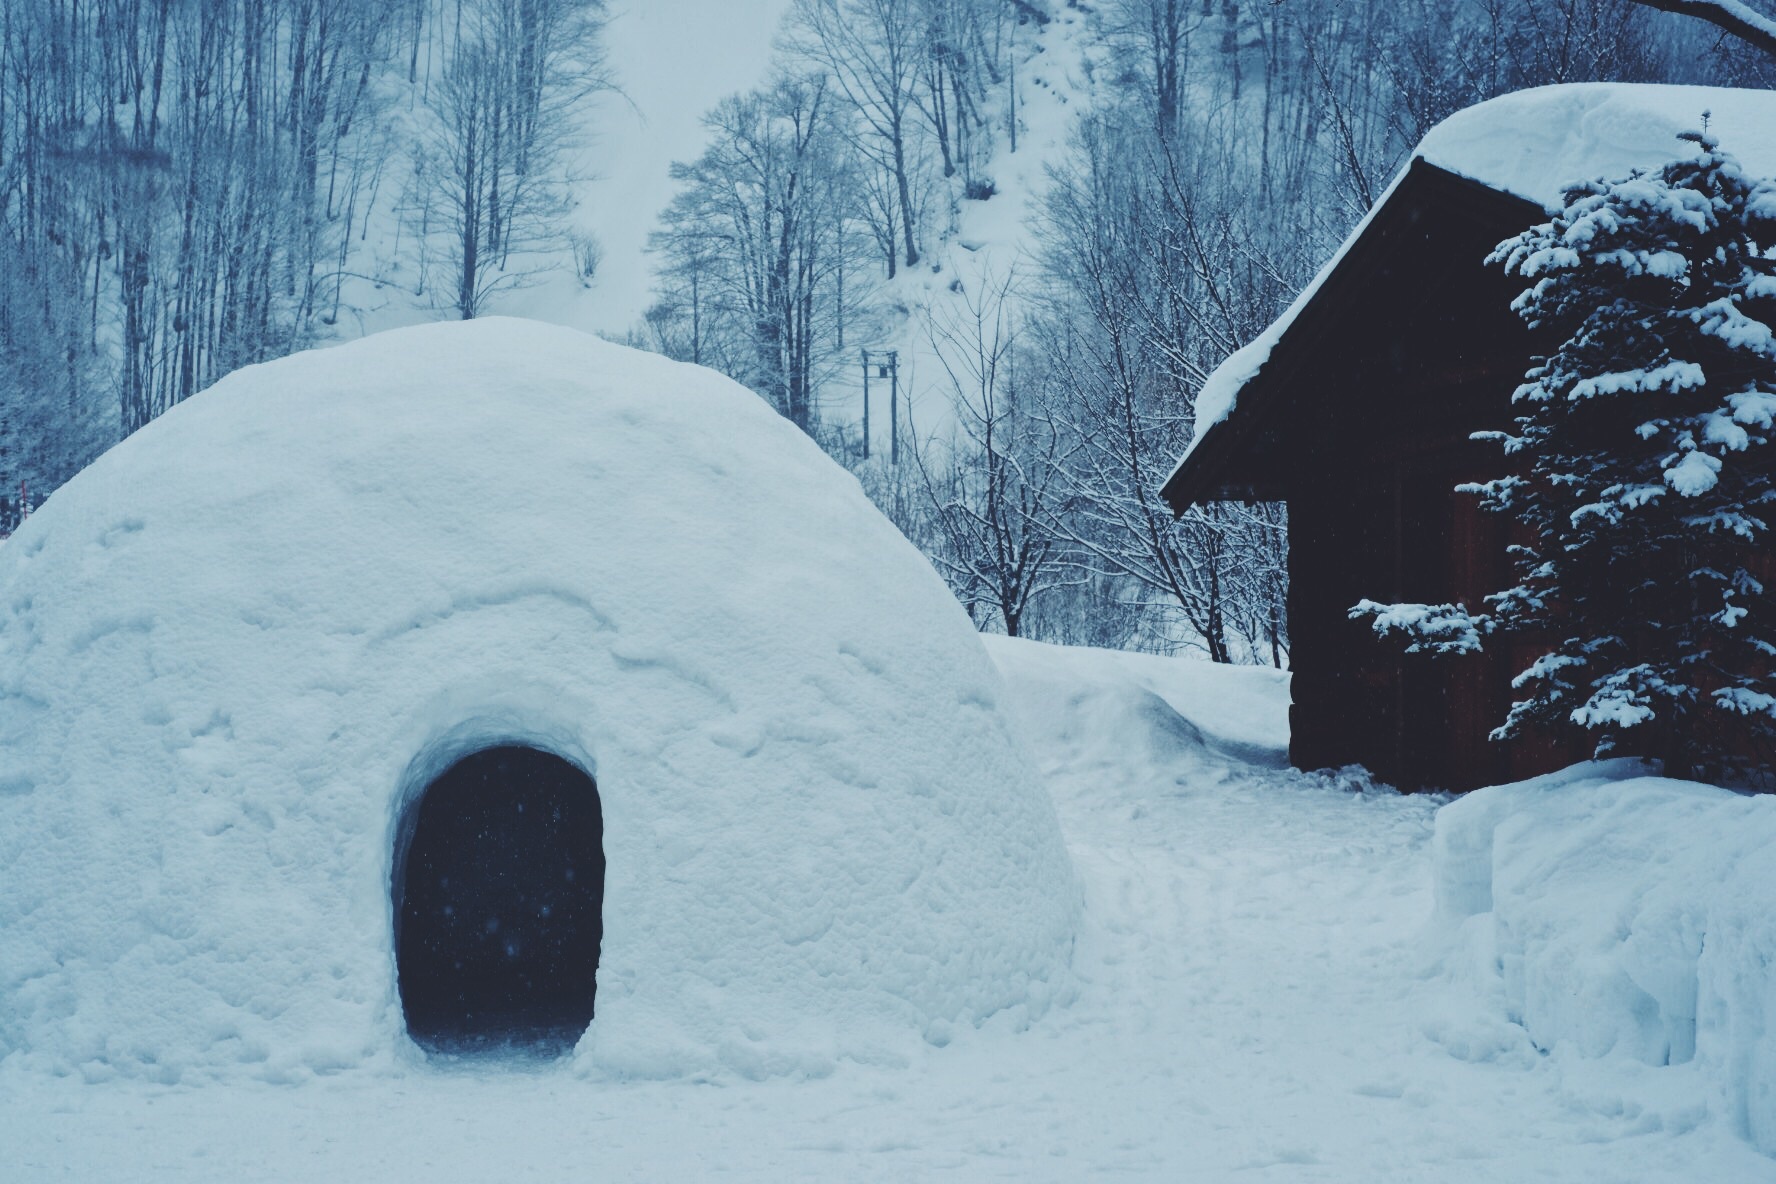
(241, 645)
(1627, 915)
(1132, 712)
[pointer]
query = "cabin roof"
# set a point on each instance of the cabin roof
(1494, 168)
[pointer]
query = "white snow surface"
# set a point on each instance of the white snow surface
(1626, 916)
(1533, 143)
(1263, 994)
(240, 646)
(672, 60)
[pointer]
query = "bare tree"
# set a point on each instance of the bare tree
(757, 243)
(189, 186)
(993, 495)
(874, 50)
(1731, 16)
(169, 169)
(1155, 272)
(494, 172)
(1152, 37)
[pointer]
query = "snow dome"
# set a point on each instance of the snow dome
(420, 655)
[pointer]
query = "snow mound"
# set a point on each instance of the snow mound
(241, 645)
(1533, 143)
(1143, 710)
(1629, 916)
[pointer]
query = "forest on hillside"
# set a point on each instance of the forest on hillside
(189, 186)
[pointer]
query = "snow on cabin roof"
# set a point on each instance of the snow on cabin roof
(1532, 143)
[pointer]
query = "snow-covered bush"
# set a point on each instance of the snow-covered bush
(1643, 471)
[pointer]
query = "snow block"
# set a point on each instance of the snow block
(1631, 916)
(242, 644)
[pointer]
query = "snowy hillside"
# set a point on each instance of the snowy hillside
(880, 240)
(671, 64)
(673, 59)
(988, 245)
(1264, 995)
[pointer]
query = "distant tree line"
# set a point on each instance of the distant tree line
(190, 186)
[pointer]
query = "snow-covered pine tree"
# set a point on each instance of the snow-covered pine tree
(1645, 472)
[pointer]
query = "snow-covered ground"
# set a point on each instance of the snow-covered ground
(1265, 994)
(1628, 918)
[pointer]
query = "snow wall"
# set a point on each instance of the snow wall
(240, 646)
(1626, 915)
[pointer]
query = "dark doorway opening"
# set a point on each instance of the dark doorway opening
(500, 906)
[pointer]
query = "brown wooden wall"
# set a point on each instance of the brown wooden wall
(1396, 530)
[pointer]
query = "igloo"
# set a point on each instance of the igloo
(251, 649)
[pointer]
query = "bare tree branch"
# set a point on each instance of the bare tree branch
(1740, 20)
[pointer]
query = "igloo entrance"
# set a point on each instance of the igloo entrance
(499, 896)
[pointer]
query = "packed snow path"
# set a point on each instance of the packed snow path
(1256, 1001)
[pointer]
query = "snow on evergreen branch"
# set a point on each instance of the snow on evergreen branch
(1428, 628)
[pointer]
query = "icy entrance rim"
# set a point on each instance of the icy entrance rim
(526, 718)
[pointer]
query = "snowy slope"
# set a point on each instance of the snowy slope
(1256, 1003)
(986, 243)
(673, 61)
(670, 61)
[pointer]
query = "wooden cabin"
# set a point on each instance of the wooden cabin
(1357, 407)
(1360, 421)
